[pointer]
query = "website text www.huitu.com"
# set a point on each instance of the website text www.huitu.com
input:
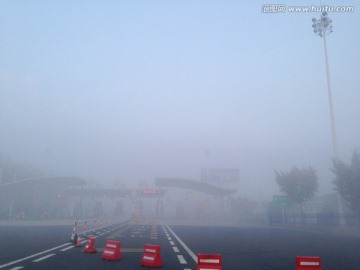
(281, 8)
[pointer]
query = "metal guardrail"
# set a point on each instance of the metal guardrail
(85, 227)
(321, 219)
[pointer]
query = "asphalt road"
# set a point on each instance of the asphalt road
(47, 247)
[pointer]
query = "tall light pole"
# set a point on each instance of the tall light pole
(323, 27)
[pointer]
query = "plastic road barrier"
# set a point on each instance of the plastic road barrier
(151, 256)
(89, 248)
(308, 263)
(112, 251)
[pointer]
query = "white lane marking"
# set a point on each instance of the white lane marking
(175, 249)
(32, 256)
(64, 249)
(182, 259)
(169, 238)
(172, 243)
(43, 258)
(183, 244)
(17, 268)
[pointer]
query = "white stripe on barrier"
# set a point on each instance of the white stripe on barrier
(309, 263)
(150, 250)
(108, 252)
(111, 245)
(148, 258)
(209, 261)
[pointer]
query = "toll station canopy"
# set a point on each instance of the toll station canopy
(193, 185)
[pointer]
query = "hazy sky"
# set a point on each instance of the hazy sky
(140, 89)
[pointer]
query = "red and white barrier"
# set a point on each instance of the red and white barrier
(112, 251)
(152, 257)
(89, 248)
(93, 226)
(209, 262)
(308, 263)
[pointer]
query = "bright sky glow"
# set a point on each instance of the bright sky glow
(140, 89)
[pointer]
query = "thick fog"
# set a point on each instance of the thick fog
(133, 90)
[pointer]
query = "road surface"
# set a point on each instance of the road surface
(48, 247)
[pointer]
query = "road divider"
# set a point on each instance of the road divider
(93, 226)
(152, 257)
(89, 248)
(209, 262)
(112, 251)
(308, 263)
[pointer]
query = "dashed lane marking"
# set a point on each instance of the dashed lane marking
(32, 256)
(175, 248)
(17, 268)
(183, 244)
(182, 259)
(64, 249)
(43, 258)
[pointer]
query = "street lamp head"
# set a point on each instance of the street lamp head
(322, 26)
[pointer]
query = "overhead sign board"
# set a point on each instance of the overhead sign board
(220, 175)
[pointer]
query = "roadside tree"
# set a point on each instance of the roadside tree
(347, 181)
(298, 185)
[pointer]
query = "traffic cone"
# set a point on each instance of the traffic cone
(78, 242)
